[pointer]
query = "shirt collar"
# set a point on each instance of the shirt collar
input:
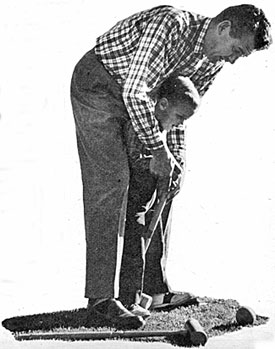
(200, 42)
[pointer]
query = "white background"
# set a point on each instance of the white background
(223, 242)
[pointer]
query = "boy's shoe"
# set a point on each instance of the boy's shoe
(171, 300)
(115, 313)
(137, 310)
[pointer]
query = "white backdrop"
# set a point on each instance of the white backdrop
(223, 238)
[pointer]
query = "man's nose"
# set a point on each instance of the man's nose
(232, 59)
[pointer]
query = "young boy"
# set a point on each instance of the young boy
(177, 100)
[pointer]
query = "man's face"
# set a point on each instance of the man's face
(172, 114)
(224, 47)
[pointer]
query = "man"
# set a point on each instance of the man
(113, 84)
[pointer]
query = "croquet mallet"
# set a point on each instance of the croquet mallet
(158, 211)
(192, 331)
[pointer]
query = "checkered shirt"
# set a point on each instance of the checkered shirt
(141, 51)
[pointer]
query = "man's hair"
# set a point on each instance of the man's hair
(247, 19)
(179, 89)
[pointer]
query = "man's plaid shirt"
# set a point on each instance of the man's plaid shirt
(141, 51)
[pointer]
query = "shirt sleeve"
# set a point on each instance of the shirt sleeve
(146, 68)
(205, 75)
(176, 143)
(202, 79)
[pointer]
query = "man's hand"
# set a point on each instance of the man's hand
(161, 164)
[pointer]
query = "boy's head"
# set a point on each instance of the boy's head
(177, 101)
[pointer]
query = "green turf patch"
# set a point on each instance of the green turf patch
(217, 316)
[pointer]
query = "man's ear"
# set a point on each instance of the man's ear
(163, 103)
(224, 27)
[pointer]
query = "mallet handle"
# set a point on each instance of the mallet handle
(154, 222)
(82, 335)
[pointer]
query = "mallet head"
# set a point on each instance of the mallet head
(145, 301)
(196, 333)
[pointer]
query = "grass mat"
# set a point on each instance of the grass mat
(217, 316)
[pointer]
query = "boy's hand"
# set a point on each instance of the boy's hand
(175, 186)
(161, 165)
(177, 180)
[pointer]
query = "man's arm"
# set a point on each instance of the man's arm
(147, 67)
(205, 75)
(177, 145)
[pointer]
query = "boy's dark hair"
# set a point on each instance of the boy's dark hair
(247, 19)
(179, 88)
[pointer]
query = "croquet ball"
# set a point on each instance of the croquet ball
(245, 316)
